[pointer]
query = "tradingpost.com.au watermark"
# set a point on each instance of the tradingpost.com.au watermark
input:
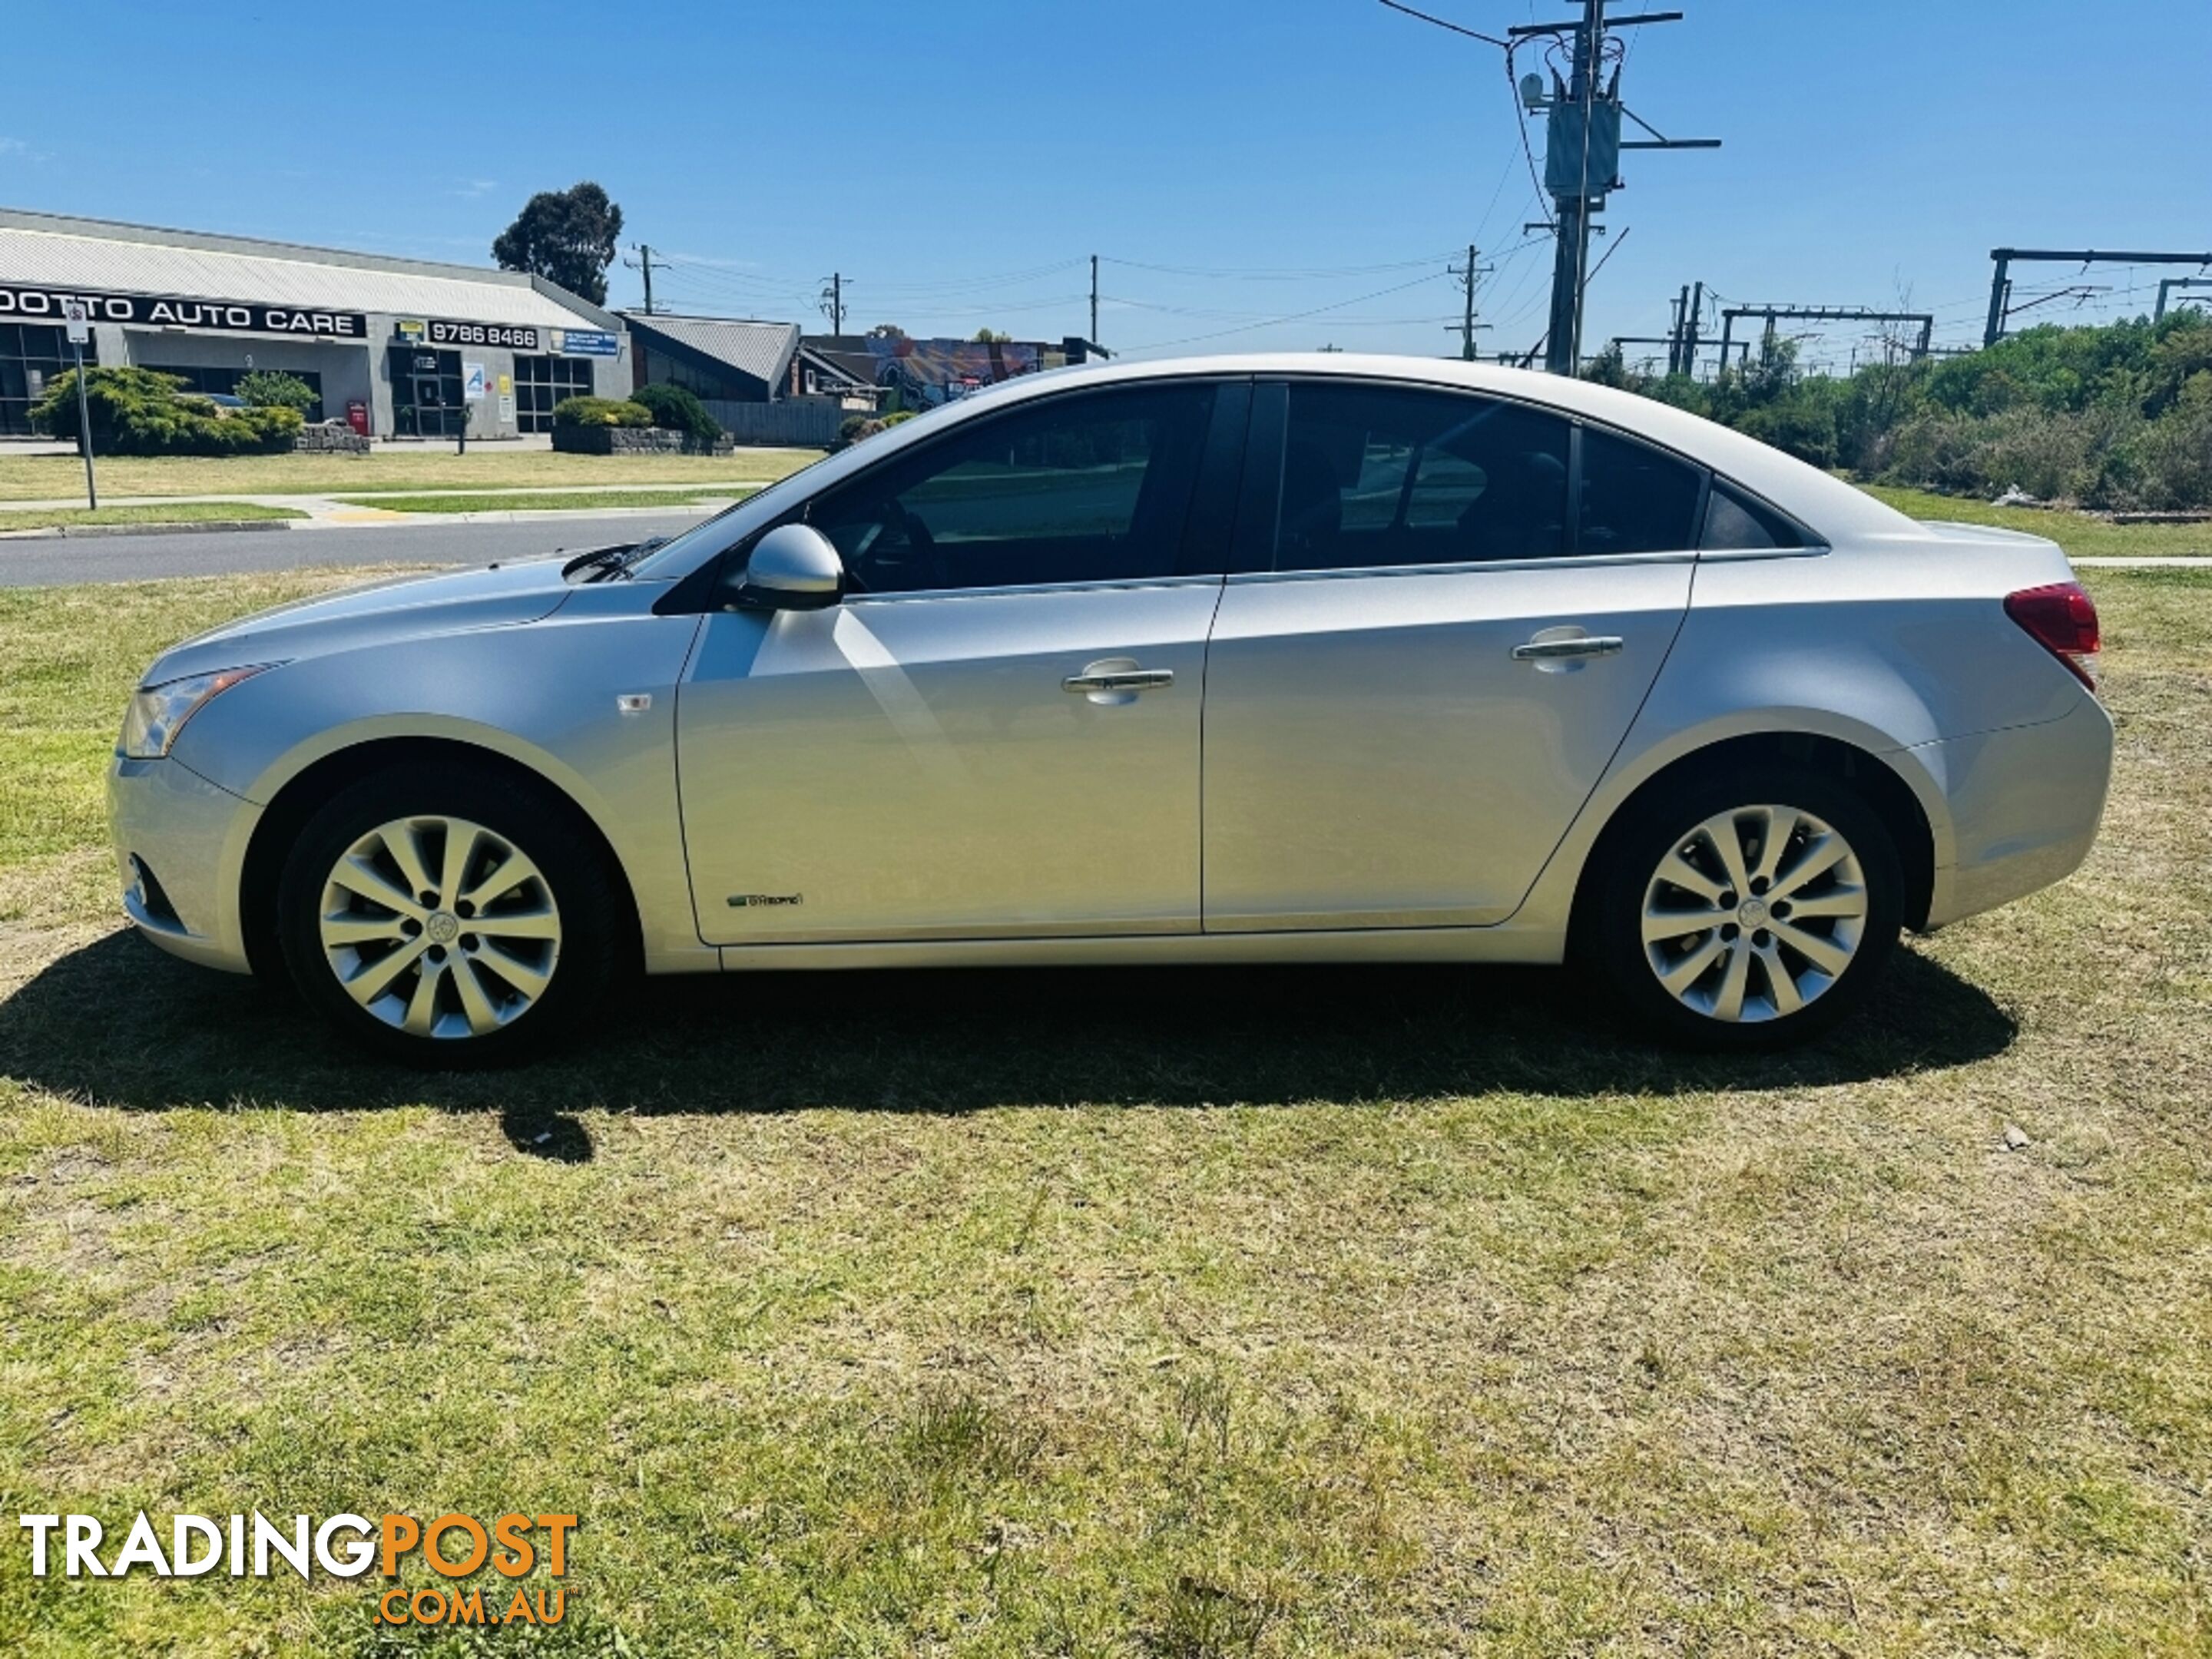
(454, 1546)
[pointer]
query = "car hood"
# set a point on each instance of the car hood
(497, 596)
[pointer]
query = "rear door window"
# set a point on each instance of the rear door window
(1375, 476)
(1636, 498)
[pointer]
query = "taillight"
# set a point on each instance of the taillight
(2062, 620)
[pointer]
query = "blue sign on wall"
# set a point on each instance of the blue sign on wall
(584, 343)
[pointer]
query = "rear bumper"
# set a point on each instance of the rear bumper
(179, 843)
(2025, 804)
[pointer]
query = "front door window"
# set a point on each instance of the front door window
(1093, 488)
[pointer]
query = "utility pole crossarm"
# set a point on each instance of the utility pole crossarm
(1660, 140)
(1522, 31)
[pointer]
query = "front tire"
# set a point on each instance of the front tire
(1746, 910)
(446, 918)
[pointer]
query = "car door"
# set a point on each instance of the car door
(1427, 657)
(995, 732)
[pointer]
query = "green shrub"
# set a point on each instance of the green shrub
(135, 411)
(2114, 416)
(600, 412)
(676, 410)
(853, 427)
(1801, 427)
(272, 388)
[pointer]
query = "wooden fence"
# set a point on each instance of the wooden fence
(810, 422)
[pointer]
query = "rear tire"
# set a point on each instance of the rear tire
(1745, 910)
(446, 917)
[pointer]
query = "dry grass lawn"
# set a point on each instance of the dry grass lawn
(1192, 1314)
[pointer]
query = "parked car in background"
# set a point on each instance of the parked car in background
(1280, 658)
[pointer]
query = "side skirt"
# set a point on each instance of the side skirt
(1505, 942)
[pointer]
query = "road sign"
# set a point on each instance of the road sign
(79, 333)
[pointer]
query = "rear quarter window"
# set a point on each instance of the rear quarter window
(1735, 523)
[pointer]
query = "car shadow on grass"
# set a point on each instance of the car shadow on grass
(116, 1024)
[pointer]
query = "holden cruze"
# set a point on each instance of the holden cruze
(1282, 658)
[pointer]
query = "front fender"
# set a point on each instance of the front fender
(541, 696)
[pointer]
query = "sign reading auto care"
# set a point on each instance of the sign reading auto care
(175, 311)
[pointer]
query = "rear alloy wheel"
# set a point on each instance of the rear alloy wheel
(447, 918)
(1753, 916)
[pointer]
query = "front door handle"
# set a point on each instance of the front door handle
(1115, 680)
(1543, 650)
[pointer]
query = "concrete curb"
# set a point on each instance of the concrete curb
(57, 531)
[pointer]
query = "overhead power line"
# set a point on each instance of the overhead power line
(1442, 23)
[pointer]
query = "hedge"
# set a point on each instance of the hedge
(676, 409)
(600, 412)
(135, 411)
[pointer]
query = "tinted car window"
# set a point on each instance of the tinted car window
(1734, 522)
(1635, 500)
(1091, 487)
(1374, 476)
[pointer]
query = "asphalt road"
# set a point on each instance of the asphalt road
(56, 561)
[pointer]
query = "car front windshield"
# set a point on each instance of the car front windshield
(677, 555)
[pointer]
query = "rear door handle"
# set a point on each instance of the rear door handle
(1115, 680)
(1543, 650)
(1132, 679)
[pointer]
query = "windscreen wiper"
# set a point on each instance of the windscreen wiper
(610, 561)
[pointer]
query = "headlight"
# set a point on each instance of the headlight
(158, 712)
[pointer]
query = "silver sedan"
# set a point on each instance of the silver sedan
(1324, 658)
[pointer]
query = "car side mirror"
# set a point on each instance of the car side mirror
(793, 567)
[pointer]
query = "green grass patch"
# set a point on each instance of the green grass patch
(2082, 534)
(166, 513)
(1265, 1313)
(552, 501)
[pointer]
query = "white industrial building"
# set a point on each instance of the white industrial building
(400, 348)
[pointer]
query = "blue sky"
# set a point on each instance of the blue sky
(1235, 160)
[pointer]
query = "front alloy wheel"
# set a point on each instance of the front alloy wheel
(440, 927)
(452, 915)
